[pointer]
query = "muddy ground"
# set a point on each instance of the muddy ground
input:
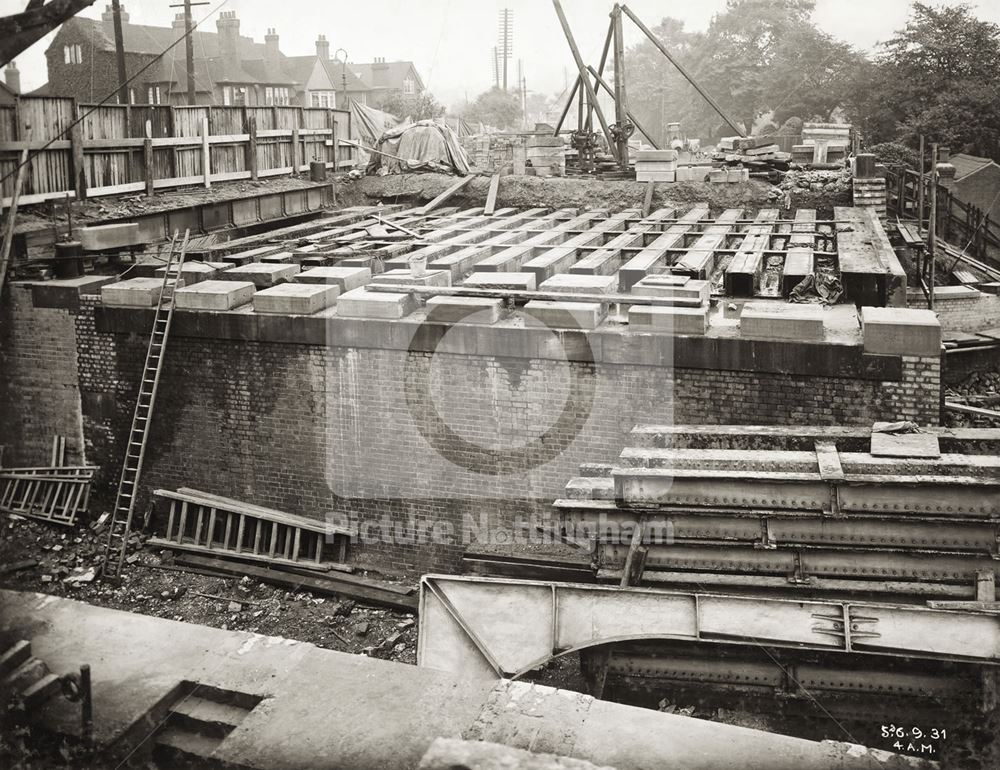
(553, 192)
(67, 557)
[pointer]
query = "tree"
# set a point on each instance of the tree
(422, 106)
(496, 107)
(936, 77)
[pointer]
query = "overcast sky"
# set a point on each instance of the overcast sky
(451, 40)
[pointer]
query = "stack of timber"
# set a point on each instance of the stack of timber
(221, 535)
(758, 151)
(546, 154)
(797, 510)
(55, 492)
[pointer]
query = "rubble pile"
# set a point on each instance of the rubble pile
(818, 181)
(980, 389)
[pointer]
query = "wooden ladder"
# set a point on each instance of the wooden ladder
(121, 516)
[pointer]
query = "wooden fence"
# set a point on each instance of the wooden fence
(144, 148)
(957, 222)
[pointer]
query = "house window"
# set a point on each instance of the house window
(227, 95)
(240, 95)
(72, 54)
(275, 96)
(153, 95)
(323, 99)
(409, 86)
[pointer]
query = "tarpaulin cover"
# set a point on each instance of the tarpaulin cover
(421, 146)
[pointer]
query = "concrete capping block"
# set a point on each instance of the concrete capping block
(65, 293)
(946, 293)
(581, 283)
(505, 280)
(295, 298)
(113, 236)
(214, 295)
(777, 321)
(564, 315)
(901, 331)
(133, 292)
(655, 286)
(403, 277)
(346, 278)
(676, 320)
(260, 274)
(361, 303)
(191, 272)
(453, 310)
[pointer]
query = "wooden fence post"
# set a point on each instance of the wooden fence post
(173, 149)
(252, 147)
(147, 158)
(296, 151)
(206, 153)
(79, 181)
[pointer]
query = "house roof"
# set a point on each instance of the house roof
(342, 78)
(966, 165)
(389, 74)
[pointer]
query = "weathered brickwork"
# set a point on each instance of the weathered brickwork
(973, 312)
(404, 443)
(39, 390)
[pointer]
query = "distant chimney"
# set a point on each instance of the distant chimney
(108, 17)
(229, 36)
(380, 72)
(323, 48)
(12, 77)
(272, 53)
(178, 25)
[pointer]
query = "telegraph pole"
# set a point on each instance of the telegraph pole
(116, 11)
(188, 45)
(505, 40)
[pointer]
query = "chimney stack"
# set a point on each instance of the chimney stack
(108, 17)
(272, 52)
(323, 48)
(12, 77)
(229, 36)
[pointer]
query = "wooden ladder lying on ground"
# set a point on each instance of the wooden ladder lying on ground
(135, 452)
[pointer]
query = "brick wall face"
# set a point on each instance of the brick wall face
(399, 441)
(39, 391)
(352, 431)
(968, 314)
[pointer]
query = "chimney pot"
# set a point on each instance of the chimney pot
(322, 48)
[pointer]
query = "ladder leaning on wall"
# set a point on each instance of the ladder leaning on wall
(120, 525)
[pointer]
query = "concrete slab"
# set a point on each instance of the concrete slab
(260, 274)
(214, 295)
(324, 709)
(295, 298)
(664, 286)
(581, 284)
(134, 292)
(346, 278)
(674, 320)
(103, 237)
(777, 321)
(406, 278)
(280, 258)
(510, 281)
(901, 331)
(361, 303)
(191, 272)
(908, 445)
(480, 310)
(564, 315)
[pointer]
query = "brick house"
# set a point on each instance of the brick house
(386, 79)
(977, 181)
(230, 68)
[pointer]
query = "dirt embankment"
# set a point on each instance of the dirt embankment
(551, 192)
